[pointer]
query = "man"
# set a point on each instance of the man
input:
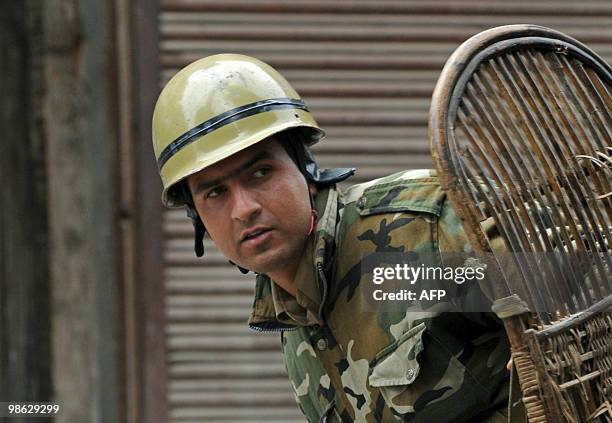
(231, 139)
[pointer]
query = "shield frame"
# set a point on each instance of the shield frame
(520, 125)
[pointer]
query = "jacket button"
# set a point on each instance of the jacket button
(361, 202)
(410, 374)
(322, 344)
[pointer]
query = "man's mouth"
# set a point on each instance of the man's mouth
(253, 234)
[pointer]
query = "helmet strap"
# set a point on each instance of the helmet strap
(192, 214)
(198, 228)
(242, 269)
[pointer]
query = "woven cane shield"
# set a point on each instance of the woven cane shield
(521, 135)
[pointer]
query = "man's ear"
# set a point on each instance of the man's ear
(313, 189)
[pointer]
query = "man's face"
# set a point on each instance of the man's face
(255, 206)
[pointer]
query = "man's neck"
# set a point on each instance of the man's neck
(285, 280)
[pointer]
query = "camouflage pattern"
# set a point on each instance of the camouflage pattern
(350, 364)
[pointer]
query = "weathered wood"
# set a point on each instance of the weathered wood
(148, 221)
(24, 286)
(129, 379)
(69, 199)
(81, 214)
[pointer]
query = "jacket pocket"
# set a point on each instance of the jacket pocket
(419, 196)
(395, 371)
(398, 363)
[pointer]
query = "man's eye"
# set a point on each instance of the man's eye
(215, 192)
(261, 172)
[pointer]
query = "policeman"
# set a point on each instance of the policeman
(231, 139)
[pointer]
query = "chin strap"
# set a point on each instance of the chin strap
(192, 214)
(199, 229)
(242, 269)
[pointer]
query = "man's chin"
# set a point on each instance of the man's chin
(261, 268)
(274, 259)
(266, 266)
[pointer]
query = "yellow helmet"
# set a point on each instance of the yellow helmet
(217, 106)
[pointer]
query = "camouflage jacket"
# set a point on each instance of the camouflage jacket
(350, 363)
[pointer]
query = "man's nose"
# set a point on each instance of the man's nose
(245, 206)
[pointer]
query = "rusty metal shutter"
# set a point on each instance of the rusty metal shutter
(367, 69)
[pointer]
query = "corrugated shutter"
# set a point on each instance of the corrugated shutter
(367, 69)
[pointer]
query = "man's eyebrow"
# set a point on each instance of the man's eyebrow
(203, 185)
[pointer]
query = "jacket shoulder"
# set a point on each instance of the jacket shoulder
(413, 190)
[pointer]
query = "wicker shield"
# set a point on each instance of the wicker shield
(521, 134)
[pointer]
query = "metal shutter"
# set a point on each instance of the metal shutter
(367, 69)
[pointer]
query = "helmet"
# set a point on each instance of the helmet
(217, 106)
